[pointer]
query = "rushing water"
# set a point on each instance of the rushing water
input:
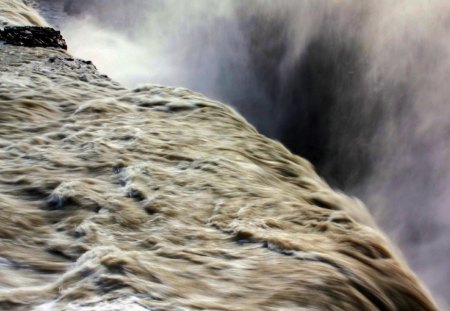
(357, 87)
(158, 198)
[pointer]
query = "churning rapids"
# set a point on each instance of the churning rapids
(159, 198)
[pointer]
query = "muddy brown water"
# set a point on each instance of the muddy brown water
(159, 198)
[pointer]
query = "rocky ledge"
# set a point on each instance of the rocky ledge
(33, 36)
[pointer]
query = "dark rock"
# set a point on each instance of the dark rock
(84, 78)
(135, 194)
(32, 36)
(55, 202)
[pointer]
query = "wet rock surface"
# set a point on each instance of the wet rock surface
(32, 36)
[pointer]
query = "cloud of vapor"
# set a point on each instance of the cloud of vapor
(407, 46)
(357, 87)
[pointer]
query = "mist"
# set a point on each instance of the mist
(358, 88)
